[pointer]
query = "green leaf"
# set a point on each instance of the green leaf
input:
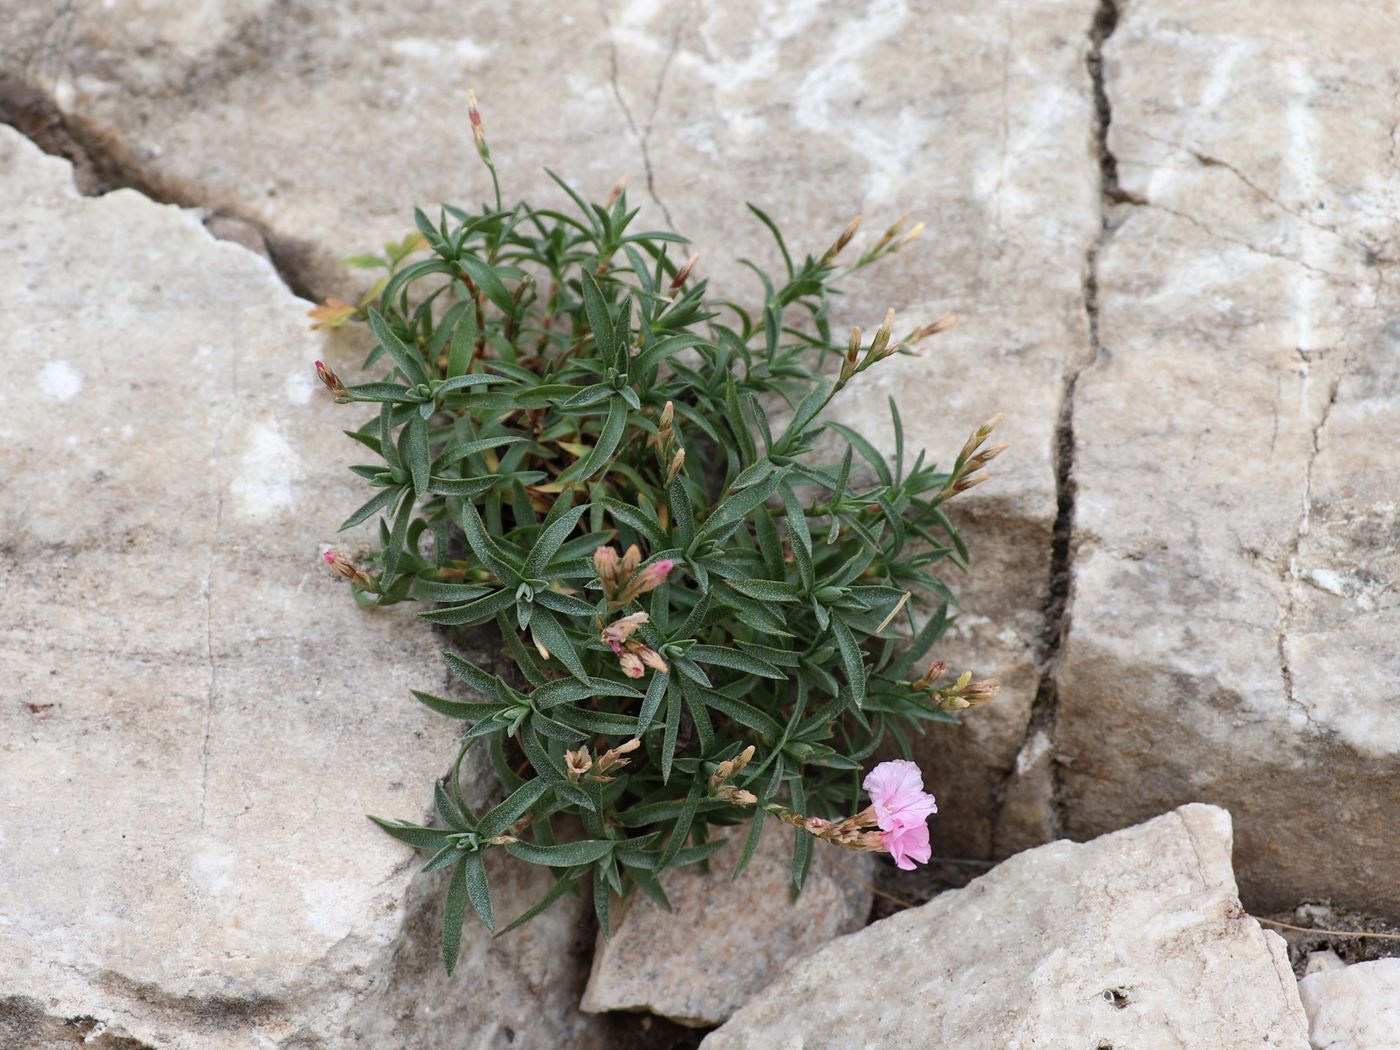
(394, 551)
(656, 689)
(417, 452)
(600, 454)
(454, 912)
(407, 361)
(851, 660)
(766, 590)
(459, 357)
(773, 229)
(479, 889)
(504, 814)
(489, 282)
(562, 855)
(599, 319)
(571, 690)
(548, 632)
(740, 503)
(373, 506)
(551, 539)
(415, 835)
(471, 710)
(485, 548)
(562, 885)
(471, 613)
(734, 660)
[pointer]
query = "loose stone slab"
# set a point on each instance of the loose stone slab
(1136, 939)
(725, 939)
(1354, 1007)
(1235, 606)
(194, 716)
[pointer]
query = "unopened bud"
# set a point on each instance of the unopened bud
(882, 338)
(934, 327)
(914, 233)
(986, 456)
(963, 484)
(888, 235)
(654, 575)
(677, 461)
(684, 271)
(347, 570)
(978, 436)
(842, 240)
(330, 380)
(736, 796)
(848, 364)
(478, 131)
(617, 189)
(605, 561)
(668, 414)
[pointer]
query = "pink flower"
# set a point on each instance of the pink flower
(908, 844)
(897, 793)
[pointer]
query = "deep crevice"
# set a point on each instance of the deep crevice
(1057, 609)
(98, 169)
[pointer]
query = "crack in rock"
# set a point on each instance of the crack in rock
(1291, 575)
(99, 169)
(642, 134)
(1040, 735)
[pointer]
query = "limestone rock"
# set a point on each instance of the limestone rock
(725, 939)
(1136, 939)
(1235, 603)
(194, 716)
(1354, 1007)
(324, 127)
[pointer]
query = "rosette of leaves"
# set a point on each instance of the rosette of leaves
(527, 364)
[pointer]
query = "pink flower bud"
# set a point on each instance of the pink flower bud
(654, 575)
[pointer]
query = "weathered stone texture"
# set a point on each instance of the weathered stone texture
(1136, 939)
(1354, 1007)
(1234, 618)
(194, 717)
(724, 940)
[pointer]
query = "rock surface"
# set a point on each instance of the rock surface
(1136, 939)
(194, 719)
(1355, 1007)
(725, 940)
(1235, 606)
